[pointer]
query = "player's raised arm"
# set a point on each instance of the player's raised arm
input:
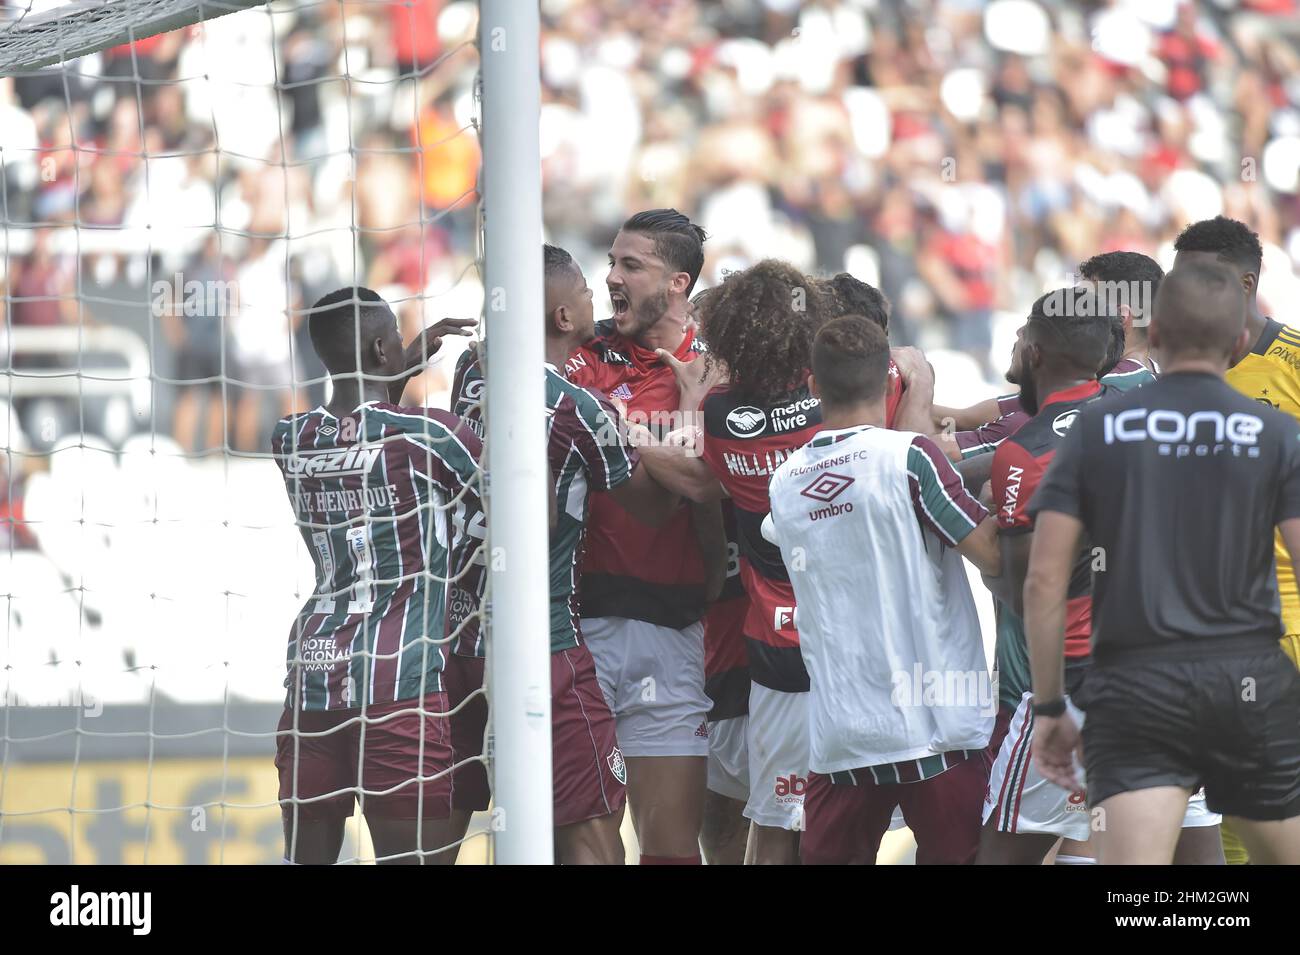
(423, 347)
(966, 419)
(914, 412)
(675, 461)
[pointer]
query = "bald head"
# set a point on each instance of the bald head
(353, 329)
(1200, 312)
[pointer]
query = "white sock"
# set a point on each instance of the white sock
(1075, 860)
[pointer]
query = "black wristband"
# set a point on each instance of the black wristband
(1054, 707)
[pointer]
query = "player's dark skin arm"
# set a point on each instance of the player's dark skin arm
(423, 347)
(645, 498)
(966, 419)
(1010, 586)
(980, 547)
(678, 467)
(711, 535)
(1051, 558)
(975, 471)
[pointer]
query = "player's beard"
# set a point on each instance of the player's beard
(1028, 389)
(645, 314)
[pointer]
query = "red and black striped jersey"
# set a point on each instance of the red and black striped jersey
(726, 664)
(744, 444)
(631, 569)
(1019, 465)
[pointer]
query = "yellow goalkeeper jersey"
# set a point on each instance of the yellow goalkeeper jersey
(1271, 373)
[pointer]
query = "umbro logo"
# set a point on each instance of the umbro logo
(327, 429)
(827, 487)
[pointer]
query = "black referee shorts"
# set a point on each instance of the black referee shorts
(1227, 719)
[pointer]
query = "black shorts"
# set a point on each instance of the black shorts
(1228, 721)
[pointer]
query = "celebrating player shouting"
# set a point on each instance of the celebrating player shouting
(586, 454)
(643, 588)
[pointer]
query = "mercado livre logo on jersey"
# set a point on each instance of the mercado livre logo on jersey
(746, 421)
(333, 463)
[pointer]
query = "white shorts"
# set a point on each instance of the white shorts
(778, 757)
(729, 758)
(653, 681)
(1023, 801)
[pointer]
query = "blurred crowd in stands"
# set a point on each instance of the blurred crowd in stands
(960, 154)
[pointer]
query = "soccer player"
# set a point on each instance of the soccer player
(1126, 284)
(871, 523)
(587, 454)
(1267, 373)
(1128, 281)
(852, 296)
(644, 588)
(1178, 485)
(761, 322)
(724, 832)
(760, 325)
(385, 498)
(1063, 343)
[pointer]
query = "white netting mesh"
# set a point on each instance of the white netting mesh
(171, 208)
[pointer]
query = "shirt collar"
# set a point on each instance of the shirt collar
(644, 358)
(1077, 392)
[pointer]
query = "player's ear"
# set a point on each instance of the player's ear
(812, 386)
(680, 282)
(1250, 282)
(560, 320)
(1126, 316)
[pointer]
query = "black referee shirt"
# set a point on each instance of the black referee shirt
(1180, 484)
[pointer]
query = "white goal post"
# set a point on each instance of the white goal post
(517, 471)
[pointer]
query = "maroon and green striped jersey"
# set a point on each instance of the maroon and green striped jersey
(387, 501)
(586, 453)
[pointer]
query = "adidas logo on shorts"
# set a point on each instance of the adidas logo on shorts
(703, 730)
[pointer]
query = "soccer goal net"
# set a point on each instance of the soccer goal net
(180, 180)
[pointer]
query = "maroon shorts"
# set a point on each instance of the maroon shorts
(319, 773)
(589, 773)
(845, 823)
(462, 677)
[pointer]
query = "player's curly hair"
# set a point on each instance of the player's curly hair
(760, 324)
(1230, 240)
(852, 296)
